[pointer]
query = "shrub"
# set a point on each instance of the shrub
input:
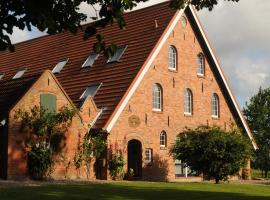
(116, 166)
(212, 151)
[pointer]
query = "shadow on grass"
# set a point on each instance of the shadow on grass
(136, 191)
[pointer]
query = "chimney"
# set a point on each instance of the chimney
(156, 23)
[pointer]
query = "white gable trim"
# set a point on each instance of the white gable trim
(224, 79)
(145, 68)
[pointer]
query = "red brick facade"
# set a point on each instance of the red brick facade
(138, 124)
(172, 118)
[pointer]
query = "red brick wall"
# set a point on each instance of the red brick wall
(140, 103)
(64, 167)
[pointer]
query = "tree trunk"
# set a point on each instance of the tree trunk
(217, 180)
(266, 174)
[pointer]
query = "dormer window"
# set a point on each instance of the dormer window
(90, 91)
(19, 74)
(2, 76)
(90, 60)
(59, 66)
(118, 54)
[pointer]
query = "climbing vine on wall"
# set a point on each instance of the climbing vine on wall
(45, 133)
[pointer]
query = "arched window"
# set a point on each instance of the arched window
(163, 139)
(215, 105)
(200, 64)
(157, 97)
(172, 58)
(188, 102)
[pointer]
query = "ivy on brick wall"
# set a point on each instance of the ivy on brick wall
(45, 132)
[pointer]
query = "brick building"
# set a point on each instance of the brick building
(163, 77)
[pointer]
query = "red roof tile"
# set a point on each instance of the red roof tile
(43, 53)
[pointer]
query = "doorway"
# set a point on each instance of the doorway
(135, 157)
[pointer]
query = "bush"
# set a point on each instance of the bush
(212, 151)
(116, 166)
(39, 162)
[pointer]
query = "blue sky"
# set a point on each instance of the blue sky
(240, 35)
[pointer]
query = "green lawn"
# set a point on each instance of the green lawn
(137, 190)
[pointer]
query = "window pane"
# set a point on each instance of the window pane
(172, 57)
(200, 64)
(148, 155)
(19, 74)
(90, 91)
(118, 54)
(90, 60)
(188, 101)
(1, 76)
(59, 66)
(215, 105)
(48, 102)
(157, 97)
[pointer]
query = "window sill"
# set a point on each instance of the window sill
(172, 70)
(187, 114)
(157, 111)
(163, 148)
(215, 117)
(200, 75)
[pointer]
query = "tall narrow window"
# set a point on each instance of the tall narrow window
(148, 155)
(163, 139)
(200, 64)
(188, 102)
(157, 98)
(48, 102)
(172, 58)
(215, 105)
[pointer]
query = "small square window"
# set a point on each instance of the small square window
(59, 66)
(19, 74)
(118, 54)
(90, 60)
(148, 155)
(2, 76)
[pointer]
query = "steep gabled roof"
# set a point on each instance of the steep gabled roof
(44, 53)
(11, 92)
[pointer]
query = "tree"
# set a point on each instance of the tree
(212, 151)
(257, 113)
(54, 16)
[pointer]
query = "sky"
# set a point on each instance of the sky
(240, 35)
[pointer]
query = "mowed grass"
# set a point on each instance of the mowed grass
(138, 191)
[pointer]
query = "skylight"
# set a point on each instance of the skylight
(90, 60)
(19, 74)
(90, 91)
(1, 76)
(59, 66)
(118, 54)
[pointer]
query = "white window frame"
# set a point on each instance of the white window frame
(120, 52)
(200, 64)
(157, 97)
(148, 155)
(215, 106)
(188, 102)
(172, 58)
(163, 139)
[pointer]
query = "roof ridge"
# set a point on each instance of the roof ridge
(83, 25)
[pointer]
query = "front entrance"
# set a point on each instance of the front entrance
(135, 157)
